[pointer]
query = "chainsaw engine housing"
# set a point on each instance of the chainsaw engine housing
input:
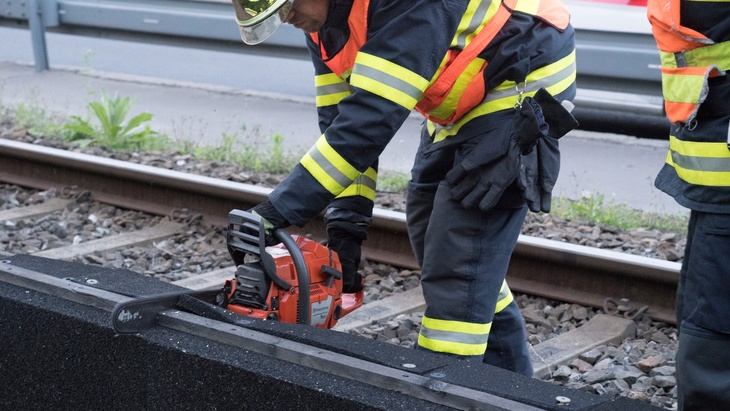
(253, 293)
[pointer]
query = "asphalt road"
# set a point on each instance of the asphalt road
(200, 95)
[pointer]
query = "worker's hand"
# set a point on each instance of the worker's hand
(271, 219)
(346, 240)
(541, 168)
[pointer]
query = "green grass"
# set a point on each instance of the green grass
(36, 120)
(393, 182)
(251, 152)
(592, 209)
(108, 125)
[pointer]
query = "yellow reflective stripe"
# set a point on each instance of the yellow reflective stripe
(328, 79)
(363, 186)
(477, 14)
(555, 78)
(328, 167)
(387, 80)
(705, 164)
(505, 298)
(448, 106)
(330, 100)
(455, 337)
(682, 88)
(330, 89)
(717, 54)
(528, 6)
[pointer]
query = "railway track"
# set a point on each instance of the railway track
(551, 269)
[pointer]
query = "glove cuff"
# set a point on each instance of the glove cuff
(346, 230)
(344, 223)
(267, 211)
(560, 120)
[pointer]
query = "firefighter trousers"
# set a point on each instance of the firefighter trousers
(464, 255)
(703, 301)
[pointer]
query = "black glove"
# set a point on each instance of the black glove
(483, 187)
(348, 248)
(540, 172)
(346, 231)
(273, 220)
(480, 180)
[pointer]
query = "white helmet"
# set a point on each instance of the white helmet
(258, 19)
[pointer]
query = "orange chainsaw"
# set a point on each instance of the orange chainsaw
(296, 281)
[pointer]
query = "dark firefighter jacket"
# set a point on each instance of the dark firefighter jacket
(375, 59)
(694, 43)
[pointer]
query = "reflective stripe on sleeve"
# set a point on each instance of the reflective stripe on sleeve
(328, 167)
(387, 80)
(705, 164)
(363, 186)
(330, 89)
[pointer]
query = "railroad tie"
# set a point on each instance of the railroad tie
(142, 237)
(34, 211)
(208, 281)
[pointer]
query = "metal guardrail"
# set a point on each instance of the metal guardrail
(618, 62)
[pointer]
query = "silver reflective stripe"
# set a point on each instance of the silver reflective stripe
(700, 163)
(365, 181)
(333, 89)
(454, 336)
(388, 80)
(329, 168)
(532, 86)
(474, 24)
(504, 292)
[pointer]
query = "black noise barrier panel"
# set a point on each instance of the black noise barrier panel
(58, 354)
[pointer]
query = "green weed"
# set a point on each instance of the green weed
(592, 209)
(393, 182)
(250, 153)
(112, 131)
(36, 120)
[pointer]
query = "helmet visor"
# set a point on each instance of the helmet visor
(258, 19)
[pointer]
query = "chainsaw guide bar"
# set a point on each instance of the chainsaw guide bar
(140, 314)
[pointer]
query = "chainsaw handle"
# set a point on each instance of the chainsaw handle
(246, 235)
(300, 266)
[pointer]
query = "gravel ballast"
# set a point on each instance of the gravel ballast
(641, 368)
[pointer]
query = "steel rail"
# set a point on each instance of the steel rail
(552, 269)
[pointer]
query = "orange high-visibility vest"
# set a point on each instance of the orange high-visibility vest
(688, 59)
(553, 12)
(454, 70)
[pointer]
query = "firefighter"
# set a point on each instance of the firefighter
(489, 77)
(694, 43)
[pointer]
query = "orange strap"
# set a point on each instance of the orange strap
(435, 94)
